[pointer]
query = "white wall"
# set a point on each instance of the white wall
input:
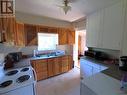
(40, 20)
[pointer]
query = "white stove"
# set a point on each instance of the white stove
(18, 81)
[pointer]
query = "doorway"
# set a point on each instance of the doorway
(80, 46)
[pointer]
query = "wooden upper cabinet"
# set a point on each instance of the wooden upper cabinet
(19, 34)
(62, 36)
(52, 30)
(66, 36)
(1, 30)
(42, 29)
(71, 36)
(8, 26)
(25, 34)
(31, 34)
(45, 29)
(0, 25)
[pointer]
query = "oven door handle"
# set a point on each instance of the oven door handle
(35, 76)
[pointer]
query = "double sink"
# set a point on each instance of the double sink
(45, 56)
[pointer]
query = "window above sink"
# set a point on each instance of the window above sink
(47, 41)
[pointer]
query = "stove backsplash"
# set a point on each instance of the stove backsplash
(5, 49)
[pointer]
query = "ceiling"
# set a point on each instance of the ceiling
(49, 8)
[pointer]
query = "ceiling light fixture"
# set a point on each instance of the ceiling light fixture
(66, 7)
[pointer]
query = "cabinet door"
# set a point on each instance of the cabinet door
(2, 35)
(31, 34)
(10, 30)
(71, 36)
(62, 36)
(8, 25)
(57, 66)
(1, 25)
(52, 30)
(42, 75)
(113, 24)
(70, 62)
(41, 65)
(19, 34)
(33, 63)
(50, 67)
(42, 29)
(64, 64)
(94, 30)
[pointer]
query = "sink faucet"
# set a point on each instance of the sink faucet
(35, 52)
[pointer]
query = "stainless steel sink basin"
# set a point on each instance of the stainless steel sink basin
(45, 56)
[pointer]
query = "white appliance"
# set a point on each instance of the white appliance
(19, 81)
(88, 68)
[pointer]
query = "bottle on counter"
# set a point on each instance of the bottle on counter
(34, 53)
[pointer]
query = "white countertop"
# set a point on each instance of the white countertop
(102, 84)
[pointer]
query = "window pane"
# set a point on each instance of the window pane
(47, 41)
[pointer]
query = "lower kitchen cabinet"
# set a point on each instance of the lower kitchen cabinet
(64, 64)
(42, 75)
(46, 68)
(89, 68)
(50, 67)
(57, 66)
(70, 61)
(41, 69)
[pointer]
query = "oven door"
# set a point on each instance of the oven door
(26, 90)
